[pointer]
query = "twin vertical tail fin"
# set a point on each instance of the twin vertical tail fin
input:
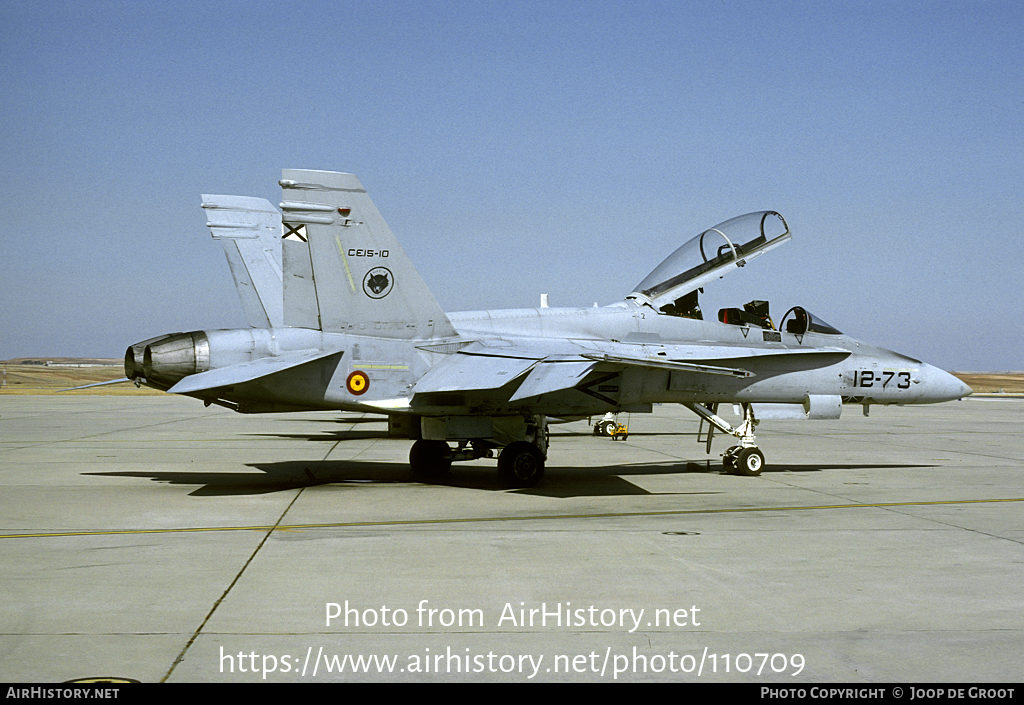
(344, 271)
(249, 230)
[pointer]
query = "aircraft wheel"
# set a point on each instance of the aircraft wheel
(750, 462)
(430, 459)
(521, 464)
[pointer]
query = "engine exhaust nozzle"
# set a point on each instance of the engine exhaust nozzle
(174, 357)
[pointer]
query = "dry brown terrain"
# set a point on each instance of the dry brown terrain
(989, 382)
(18, 378)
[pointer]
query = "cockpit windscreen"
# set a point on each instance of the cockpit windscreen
(711, 254)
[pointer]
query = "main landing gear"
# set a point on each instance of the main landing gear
(520, 463)
(743, 459)
(430, 459)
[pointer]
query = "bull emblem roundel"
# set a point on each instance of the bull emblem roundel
(378, 282)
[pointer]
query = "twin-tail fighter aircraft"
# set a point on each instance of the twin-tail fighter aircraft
(341, 320)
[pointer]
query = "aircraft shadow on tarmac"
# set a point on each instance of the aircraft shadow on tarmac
(559, 481)
(355, 435)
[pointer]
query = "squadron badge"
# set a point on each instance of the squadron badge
(378, 282)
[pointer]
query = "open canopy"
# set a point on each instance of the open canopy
(711, 255)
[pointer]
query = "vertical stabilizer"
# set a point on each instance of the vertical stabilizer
(249, 230)
(363, 281)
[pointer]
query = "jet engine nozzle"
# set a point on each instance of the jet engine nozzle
(133, 362)
(133, 356)
(174, 357)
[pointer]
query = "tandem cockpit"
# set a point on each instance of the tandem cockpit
(673, 287)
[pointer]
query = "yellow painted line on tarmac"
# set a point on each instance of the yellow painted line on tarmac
(472, 520)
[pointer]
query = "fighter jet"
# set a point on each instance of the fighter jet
(360, 331)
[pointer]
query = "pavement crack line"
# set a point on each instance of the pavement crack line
(227, 591)
(6, 446)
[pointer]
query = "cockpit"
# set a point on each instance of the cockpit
(674, 286)
(803, 321)
(755, 313)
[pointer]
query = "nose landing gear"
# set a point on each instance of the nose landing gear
(743, 459)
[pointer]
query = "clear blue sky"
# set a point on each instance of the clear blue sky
(517, 148)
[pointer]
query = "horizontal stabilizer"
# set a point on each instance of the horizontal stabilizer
(246, 372)
(462, 372)
(552, 376)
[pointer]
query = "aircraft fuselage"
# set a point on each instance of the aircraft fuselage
(802, 366)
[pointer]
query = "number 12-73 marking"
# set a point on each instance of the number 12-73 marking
(867, 378)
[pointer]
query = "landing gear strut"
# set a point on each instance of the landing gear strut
(743, 459)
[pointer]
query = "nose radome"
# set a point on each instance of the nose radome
(942, 386)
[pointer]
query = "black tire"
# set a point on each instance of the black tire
(430, 459)
(521, 465)
(750, 462)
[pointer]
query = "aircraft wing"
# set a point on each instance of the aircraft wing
(552, 376)
(494, 369)
(546, 367)
(472, 372)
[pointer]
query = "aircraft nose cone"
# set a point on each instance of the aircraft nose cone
(942, 386)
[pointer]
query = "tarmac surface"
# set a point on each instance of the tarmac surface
(154, 539)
